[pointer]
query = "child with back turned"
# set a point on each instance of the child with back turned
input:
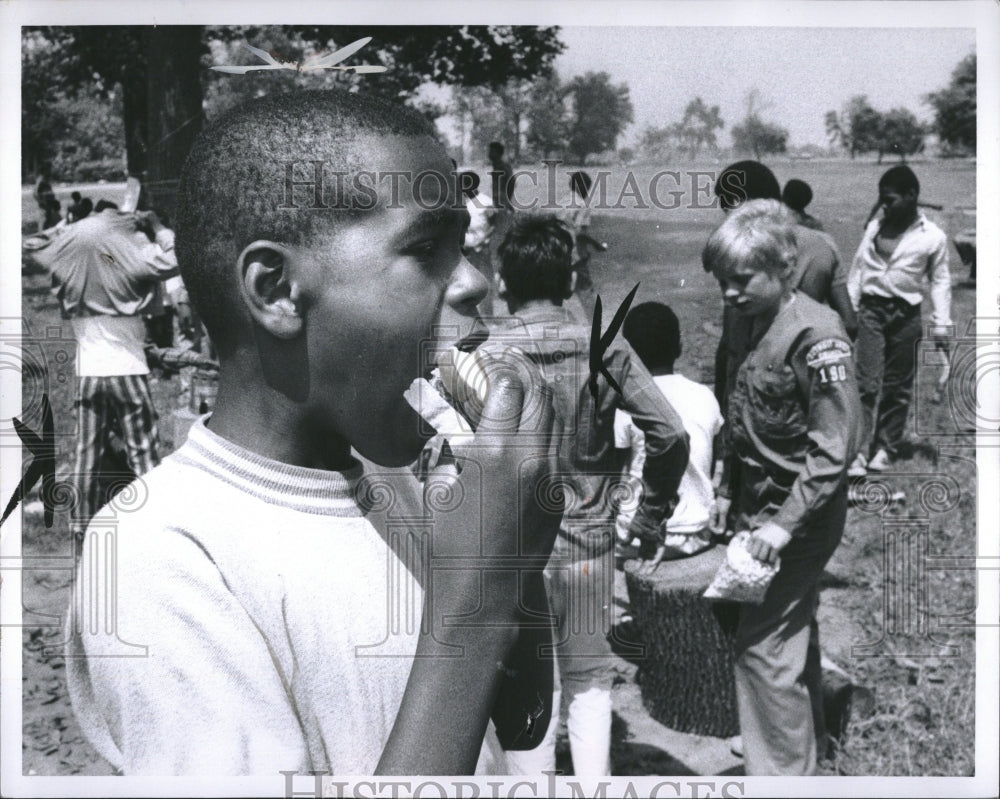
(254, 581)
(653, 331)
(536, 278)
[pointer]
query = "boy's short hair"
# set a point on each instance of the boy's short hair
(797, 194)
(654, 332)
(744, 181)
(901, 178)
(233, 186)
(759, 234)
(497, 147)
(536, 260)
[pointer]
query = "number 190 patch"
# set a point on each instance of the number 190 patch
(827, 358)
(832, 373)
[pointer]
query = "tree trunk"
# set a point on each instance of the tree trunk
(516, 119)
(134, 117)
(173, 110)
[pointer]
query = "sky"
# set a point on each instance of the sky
(801, 72)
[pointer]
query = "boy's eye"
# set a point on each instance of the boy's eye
(423, 248)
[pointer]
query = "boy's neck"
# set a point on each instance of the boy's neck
(270, 425)
(660, 371)
(514, 305)
(897, 227)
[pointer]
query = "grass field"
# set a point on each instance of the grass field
(896, 622)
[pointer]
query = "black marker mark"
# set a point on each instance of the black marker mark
(599, 344)
(44, 465)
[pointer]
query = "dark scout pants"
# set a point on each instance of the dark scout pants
(885, 351)
(779, 679)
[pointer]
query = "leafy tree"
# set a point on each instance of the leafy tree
(753, 134)
(858, 127)
(697, 128)
(864, 125)
(482, 118)
(485, 115)
(834, 132)
(161, 71)
(955, 107)
(104, 60)
(600, 113)
(548, 117)
(900, 133)
(466, 56)
(658, 144)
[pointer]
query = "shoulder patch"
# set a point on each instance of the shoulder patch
(829, 350)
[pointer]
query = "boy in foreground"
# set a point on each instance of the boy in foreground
(536, 278)
(253, 583)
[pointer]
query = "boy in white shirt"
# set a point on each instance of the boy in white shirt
(902, 250)
(653, 331)
(280, 604)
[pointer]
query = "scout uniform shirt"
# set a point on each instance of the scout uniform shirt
(794, 419)
(818, 270)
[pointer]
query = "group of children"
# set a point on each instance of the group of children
(261, 597)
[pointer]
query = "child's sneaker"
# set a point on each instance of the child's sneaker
(859, 468)
(879, 462)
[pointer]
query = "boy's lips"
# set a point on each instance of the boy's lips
(475, 338)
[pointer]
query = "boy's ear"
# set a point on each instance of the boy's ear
(269, 292)
(501, 288)
(572, 284)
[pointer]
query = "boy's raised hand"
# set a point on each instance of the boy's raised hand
(485, 609)
(505, 468)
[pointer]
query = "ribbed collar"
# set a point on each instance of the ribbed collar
(543, 314)
(299, 488)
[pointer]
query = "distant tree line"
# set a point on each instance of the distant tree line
(106, 101)
(860, 128)
(543, 118)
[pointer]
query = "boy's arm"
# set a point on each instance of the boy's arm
(666, 443)
(840, 301)
(825, 371)
(630, 441)
(158, 256)
(854, 274)
(497, 543)
(43, 249)
(940, 280)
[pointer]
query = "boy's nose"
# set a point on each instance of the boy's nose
(468, 287)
